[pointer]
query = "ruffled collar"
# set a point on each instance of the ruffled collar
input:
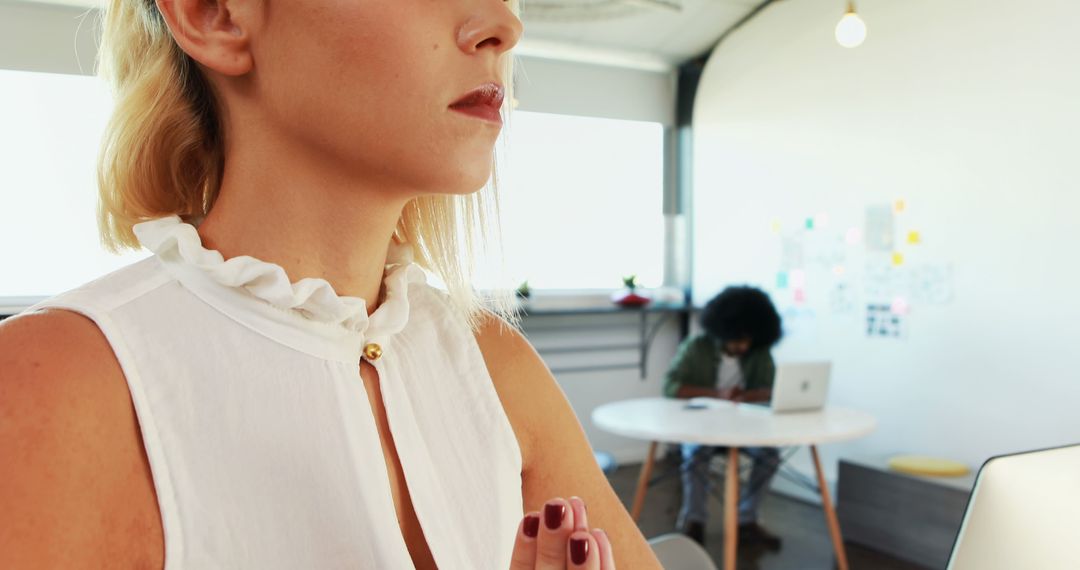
(311, 299)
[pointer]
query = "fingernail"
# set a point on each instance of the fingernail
(554, 514)
(579, 550)
(531, 526)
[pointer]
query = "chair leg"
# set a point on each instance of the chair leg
(830, 513)
(643, 482)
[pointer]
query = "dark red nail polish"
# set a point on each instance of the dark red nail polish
(579, 550)
(553, 515)
(531, 526)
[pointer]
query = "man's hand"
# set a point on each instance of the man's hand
(755, 396)
(734, 394)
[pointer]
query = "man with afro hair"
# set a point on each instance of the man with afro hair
(730, 360)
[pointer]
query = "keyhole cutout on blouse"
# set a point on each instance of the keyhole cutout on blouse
(406, 514)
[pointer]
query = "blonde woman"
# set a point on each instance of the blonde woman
(278, 386)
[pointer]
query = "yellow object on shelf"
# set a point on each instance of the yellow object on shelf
(928, 466)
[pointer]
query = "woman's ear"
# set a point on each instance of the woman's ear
(215, 33)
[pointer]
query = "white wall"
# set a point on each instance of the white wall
(969, 110)
(43, 37)
(573, 88)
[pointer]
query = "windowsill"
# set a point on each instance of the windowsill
(541, 302)
(11, 306)
(594, 301)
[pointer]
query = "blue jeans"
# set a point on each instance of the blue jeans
(696, 481)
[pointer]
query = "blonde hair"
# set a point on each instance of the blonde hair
(163, 154)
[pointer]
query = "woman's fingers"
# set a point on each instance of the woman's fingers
(524, 556)
(557, 522)
(581, 519)
(557, 538)
(603, 550)
(582, 551)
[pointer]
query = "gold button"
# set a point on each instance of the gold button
(372, 351)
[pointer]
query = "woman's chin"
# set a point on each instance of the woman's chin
(466, 183)
(464, 177)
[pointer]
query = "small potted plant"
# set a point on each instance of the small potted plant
(628, 296)
(523, 291)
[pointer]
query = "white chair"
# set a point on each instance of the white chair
(678, 552)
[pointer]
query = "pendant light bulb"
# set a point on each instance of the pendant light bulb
(851, 30)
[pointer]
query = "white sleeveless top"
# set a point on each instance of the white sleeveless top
(262, 444)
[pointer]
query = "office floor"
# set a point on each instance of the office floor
(802, 526)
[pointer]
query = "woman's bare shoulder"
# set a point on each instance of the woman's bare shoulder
(518, 374)
(557, 458)
(531, 397)
(69, 436)
(501, 343)
(53, 350)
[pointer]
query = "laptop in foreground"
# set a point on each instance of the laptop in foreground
(1023, 513)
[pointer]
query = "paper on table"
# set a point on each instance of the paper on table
(706, 403)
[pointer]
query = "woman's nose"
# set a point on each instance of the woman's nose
(493, 26)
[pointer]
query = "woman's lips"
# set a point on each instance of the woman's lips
(484, 102)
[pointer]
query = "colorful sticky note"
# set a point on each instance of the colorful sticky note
(775, 226)
(809, 223)
(897, 259)
(853, 236)
(900, 306)
(800, 295)
(798, 278)
(899, 206)
(781, 280)
(839, 270)
(914, 238)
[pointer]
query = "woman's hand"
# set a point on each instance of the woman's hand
(559, 538)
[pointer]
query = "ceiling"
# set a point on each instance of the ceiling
(647, 34)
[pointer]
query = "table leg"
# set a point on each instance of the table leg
(830, 513)
(731, 508)
(643, 482)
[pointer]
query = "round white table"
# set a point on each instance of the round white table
(723, 423)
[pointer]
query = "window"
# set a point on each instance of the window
(50, 132)
(580, 197)
(581, 201)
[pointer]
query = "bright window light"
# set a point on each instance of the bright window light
(50, 131)
(581, 201)
(580, 197)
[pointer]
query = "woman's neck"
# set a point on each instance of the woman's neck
(310, 224)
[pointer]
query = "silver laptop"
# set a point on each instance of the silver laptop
(1024, 513)
(801, 387)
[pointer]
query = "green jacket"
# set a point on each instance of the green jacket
(696, 363)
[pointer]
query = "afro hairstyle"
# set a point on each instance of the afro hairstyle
(743, 312)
